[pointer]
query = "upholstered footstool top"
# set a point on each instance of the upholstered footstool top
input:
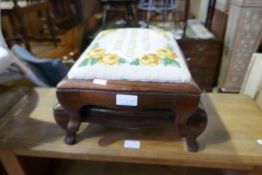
(132, 54)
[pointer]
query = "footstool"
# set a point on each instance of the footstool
(131, 78)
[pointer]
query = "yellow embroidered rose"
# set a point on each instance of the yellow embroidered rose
(161, 32)
(165, 53)
(110, 59)
(149, 59)
(105, 32)
(96, 53)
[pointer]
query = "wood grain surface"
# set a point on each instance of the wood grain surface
(228, 142)
(133, 86)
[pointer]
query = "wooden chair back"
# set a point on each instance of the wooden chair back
(252, 85)
(30, 23)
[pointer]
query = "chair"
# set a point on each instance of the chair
(112, 5)
(48, 71)
(162, 7)
(30, 23)
(252, 85)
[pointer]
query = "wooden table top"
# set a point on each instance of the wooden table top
(228, 142)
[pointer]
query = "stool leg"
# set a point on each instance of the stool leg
(72, 128)
(70, 123)
(195, 126)
(70, 138)
(192, 144)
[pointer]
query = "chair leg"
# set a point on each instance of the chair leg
(174, 19)
(134, 12)
(148, 17)
(165, 16)
(128, 14)
(104, 16)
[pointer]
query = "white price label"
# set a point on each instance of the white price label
(126, 100)
(100, 81)
(134, 144)
(259, 141)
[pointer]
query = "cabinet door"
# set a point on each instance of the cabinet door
(206, 78)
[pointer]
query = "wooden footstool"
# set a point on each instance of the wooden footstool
(131, 78)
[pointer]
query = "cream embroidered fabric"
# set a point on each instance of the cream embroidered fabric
(132, 54)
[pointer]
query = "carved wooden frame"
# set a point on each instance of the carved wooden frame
(178, 101)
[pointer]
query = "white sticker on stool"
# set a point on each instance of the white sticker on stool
(259, 141)
(135, 144)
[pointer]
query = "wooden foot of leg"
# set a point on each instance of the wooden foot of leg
(72, 128)
(70, 138)
(11, 163)
(61, 116)
(195, 126)
(70, 122)
(192, 144)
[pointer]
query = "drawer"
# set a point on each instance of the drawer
(201, 47)
(203, 61)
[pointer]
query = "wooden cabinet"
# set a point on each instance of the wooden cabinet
(203, 59)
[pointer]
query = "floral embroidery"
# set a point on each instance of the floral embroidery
(99, 55)
(112, 59)
(166, 53)
(149, 59)
(168, 57)
(161, 32)
(162, 56)
(106, 32)
(96, 53)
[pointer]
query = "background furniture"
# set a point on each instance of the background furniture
(162, 7)
(8, 70)
(68, 12)
(203, 58)
(113, 5)
(204, 55)
(71, 42)
(210, 13)
(252, 84)
(50, 72)
(30, 23)
(240, 42)
(11, 93)
(229, 141)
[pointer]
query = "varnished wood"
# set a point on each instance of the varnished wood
(186, 15)
(123, 86)
(204, 55)
(219, 23)
(229, 140)
(156, 119)
(210, 13)
(27, 25)
(256, 171)
(181, 99)
(71, 167)
(11, 163)
(203, 59)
